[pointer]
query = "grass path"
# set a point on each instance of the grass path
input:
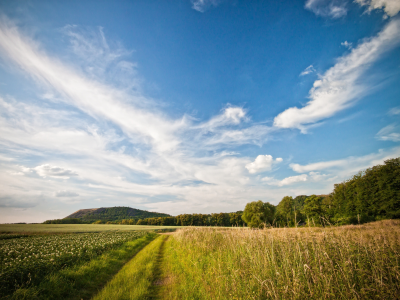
(155, 290)
(138, 279)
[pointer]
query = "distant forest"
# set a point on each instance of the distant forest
(373, 194)
(105, 214)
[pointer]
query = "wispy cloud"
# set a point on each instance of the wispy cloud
(347, 44)
(390, 7)
(327, 8)
(389, 133)
(310, 69)
(394, 111)
(113, 137)
(340, 86)
(349, 165)
(204, 5)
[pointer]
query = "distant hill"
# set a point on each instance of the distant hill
(113, 214)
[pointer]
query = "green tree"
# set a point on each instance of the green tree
(313, 209)
(258, 213)
(285, 213)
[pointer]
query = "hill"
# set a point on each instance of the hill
(113, 214)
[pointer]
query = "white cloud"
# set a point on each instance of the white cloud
(316, 176)
(230, 116)
(90, 96)
(308, 70)
(391, 7)
(389, 133)
(347, 44)
(102, 141)
(327, 8)
(286, 181)
(65, 193)
(262, 163)
(204, 5)
(350, 165)
(394, 111)
(54, 171)
(341, 86)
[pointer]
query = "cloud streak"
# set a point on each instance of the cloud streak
(310, 69)
(341, 85)
(204, 5)
(327, 8)
(390, 7)
(286, 181)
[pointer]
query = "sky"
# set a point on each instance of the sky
(191, 106)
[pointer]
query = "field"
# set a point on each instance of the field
(35, 228)
(347, 262)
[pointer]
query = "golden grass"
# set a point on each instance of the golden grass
(348, 262)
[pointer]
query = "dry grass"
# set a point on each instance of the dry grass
(348, 262)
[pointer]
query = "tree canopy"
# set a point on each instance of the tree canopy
(258, 213)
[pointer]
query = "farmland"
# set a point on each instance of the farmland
(27, 259)
(64, 228)
(345, 262)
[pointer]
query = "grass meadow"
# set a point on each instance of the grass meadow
(348, 262)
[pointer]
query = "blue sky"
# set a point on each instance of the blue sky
(191, 106)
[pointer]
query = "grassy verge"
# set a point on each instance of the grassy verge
(136, 278)
(348, 262)
(83, 281)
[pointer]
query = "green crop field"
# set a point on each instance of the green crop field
(37, 228)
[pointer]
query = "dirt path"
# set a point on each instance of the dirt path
(158, 281)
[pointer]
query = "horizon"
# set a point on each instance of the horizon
(195, 106)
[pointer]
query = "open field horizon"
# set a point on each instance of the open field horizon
(75, 228)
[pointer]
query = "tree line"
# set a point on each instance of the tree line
(372, 194)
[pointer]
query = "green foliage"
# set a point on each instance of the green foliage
(118, 213)
(285, 212)
(258, 213)
(370, 195)
(313, 210)
(220, 219)
(373, 194)
(65, 221)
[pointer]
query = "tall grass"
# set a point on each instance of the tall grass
(348, 262)
(136, 278)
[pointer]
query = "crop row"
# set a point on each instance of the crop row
(24, 261)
